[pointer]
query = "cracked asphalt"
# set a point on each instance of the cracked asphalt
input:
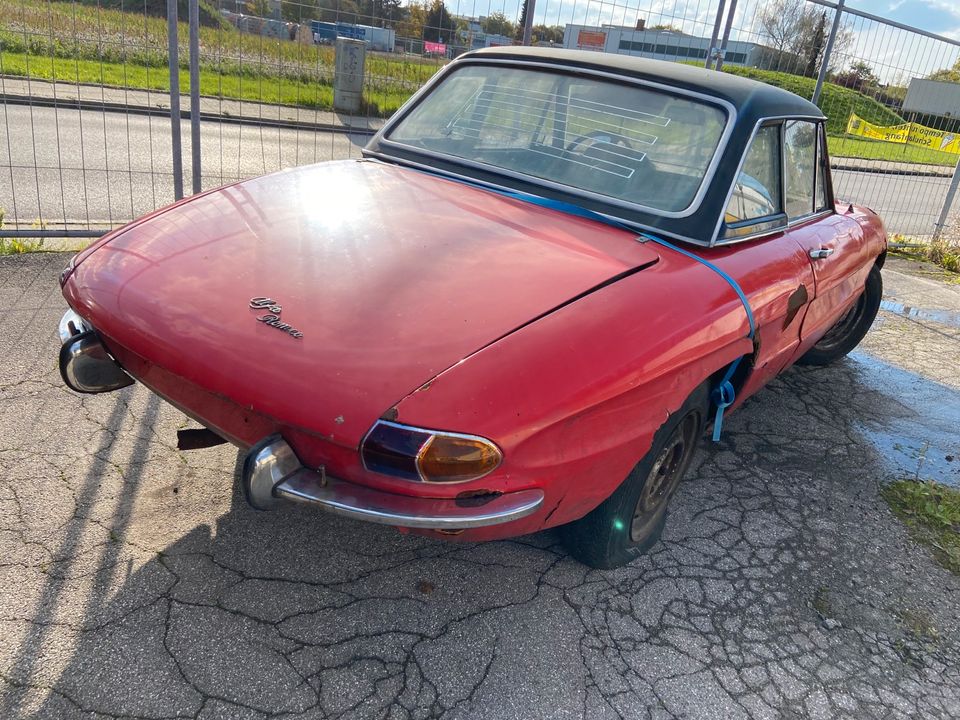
(134, 582)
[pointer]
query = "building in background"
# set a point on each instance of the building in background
(670, 45)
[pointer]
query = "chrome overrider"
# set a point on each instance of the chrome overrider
(85, 364)
(271, 470)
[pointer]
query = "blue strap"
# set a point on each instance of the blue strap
(724, 395)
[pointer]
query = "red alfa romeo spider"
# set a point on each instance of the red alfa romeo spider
(548, 275)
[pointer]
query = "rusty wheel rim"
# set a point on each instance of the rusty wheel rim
(664, 477)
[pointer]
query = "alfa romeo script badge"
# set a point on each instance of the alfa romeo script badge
(272, 318)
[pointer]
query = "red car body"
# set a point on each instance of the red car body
(439, 304)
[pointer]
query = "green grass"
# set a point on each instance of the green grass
(382, 100)
(846, 146)
(130, 45)
(932, 513)
(836, 102)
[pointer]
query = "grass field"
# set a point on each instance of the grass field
(381, 99)
(857, 147)
(932, 513)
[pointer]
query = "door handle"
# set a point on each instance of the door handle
(821, 253)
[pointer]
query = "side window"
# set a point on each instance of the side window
(757, 191)
(822, 197)
(800, 156)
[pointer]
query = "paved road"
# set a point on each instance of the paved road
(104, 167)
(134, 582)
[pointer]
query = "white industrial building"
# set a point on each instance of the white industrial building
(656, 44)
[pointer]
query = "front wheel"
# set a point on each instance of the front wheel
(849, 329)
(630, 521)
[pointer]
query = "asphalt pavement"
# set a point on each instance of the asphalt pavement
(134, 581)
(107, 168)
(100, 169)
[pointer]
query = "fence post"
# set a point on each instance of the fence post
(349, 63)
(195, 93)
(528, 21)
(715, 37)
(827, 52)
(173, 63)
(726, 34)
(947, 202)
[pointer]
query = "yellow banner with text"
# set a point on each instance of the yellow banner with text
(908, 133)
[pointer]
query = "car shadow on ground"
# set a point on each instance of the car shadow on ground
(782, 583)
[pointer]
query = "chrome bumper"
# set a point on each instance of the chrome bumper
(271, 471)
(85, 364)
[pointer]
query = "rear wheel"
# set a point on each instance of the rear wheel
(849, 329)
(631, 520)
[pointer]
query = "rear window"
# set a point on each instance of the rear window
(639, 145)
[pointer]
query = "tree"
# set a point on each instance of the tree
(497, 24)
(300, 11)
(666, 27)
(260, 8)
(439, 25)
(816, 49)
(548, 34)
(791, 27)
(338, 11)
(523, 21)
(411, 26)
(859, 77)
(945, 75)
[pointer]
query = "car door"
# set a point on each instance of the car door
(770, 267)
(832, 241)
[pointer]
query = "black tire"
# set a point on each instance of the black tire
(631, 520)
(849, 330)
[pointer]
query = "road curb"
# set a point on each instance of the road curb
(104, 106)
(888, 171)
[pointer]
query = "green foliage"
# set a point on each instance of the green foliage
(932, 513)
(947, 75)
(15, 246)
(440, 25)
(498, 24)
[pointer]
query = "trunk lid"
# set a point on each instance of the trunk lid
(391, 275)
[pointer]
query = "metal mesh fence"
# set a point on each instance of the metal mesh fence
(85, 134)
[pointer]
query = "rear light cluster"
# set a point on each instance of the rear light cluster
(427, 455)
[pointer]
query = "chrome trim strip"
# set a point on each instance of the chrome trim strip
(382, 136)
(272, 470)
(360, 503)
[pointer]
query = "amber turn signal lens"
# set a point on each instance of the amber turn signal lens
(452, 458)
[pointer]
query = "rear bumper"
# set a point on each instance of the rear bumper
(85, 364)
(272, 471)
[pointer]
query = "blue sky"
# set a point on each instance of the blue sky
(937, 16)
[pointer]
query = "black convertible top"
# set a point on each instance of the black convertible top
(753, 102)
(750, 97)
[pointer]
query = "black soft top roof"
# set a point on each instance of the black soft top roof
(752, 101)
(749, 97)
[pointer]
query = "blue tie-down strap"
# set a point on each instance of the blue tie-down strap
(724, 394)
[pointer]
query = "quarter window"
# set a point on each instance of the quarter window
(757, 191)
(800, 155)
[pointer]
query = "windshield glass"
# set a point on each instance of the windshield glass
(636, 144)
